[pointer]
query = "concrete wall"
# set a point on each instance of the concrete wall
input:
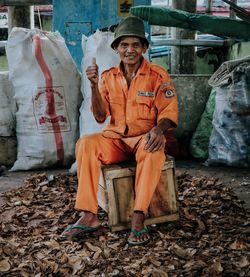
(193, 92)
(239, 50)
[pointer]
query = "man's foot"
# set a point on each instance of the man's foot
(89, 222)
(139, 233)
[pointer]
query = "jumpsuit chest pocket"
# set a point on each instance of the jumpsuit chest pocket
(116, 107)
(145, 107)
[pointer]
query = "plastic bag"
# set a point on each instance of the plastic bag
(230, 139)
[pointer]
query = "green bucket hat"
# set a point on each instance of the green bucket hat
(130, 26)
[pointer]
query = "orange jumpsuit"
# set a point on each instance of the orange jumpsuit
(133, 112)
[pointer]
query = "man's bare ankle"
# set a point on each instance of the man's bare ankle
(137, 222)
(89, 214)
(89, 219)
(138, 215)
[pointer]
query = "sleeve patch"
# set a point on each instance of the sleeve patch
(169, 93)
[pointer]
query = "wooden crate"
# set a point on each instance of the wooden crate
(116, 195)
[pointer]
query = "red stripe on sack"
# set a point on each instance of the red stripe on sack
(50, 98)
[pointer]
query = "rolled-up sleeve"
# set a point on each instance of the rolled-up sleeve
(105, 96)
(105, 99)
(166, 100)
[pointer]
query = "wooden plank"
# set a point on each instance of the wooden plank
(172, 192)
(117, 171)
(120, 227)
(120, 172)
(162, 219)
(112, 206)
(148, 221)
(25, 2)
(124, 193)
(102, 198)
(102, 181)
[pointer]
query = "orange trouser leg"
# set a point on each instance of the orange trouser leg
(148, 172)
(91, 151)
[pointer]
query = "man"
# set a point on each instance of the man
(140, 99)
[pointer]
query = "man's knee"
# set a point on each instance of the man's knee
(87, 143)
(145, 154)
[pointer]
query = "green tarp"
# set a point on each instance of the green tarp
(217, 25)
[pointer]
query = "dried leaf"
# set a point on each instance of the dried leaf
(91, 247)
(189, 215)
(202, 226)
(154, 261)
(76, 263)
(52, 244)
(158, 273)
(194, 265)
(116, 272)
(243, 262)
(114, 246)
(183, 253)
(217, 268)
(97, 254)
(4, 265)
(7, 216)
(238, 244)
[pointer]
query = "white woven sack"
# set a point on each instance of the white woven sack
(98, 46)
(47, 92)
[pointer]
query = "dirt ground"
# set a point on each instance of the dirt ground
(236, 178)
(210, 238)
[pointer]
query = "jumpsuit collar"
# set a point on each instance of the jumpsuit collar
(143, 69)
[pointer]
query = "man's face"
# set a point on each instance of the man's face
(130, 50)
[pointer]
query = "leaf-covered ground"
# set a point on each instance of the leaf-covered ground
(210, 239)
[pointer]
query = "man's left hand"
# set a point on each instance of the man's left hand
(154, 140)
